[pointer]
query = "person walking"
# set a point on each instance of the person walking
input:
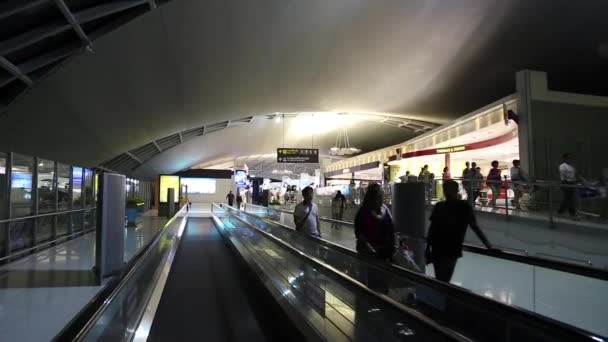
(449, 222)
(306, 215)
(477, 181)
(338, 204)
(517, 179)
(446, 175)
(470, 183)
(374, 228)
(239, 200)
(466, 170)
(494, 181)
(568, 178)
(230, 198)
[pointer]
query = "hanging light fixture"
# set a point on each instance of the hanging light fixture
(342, 146)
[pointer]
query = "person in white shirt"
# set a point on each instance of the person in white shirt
(517, 178)
(306, 215)
(567, 175)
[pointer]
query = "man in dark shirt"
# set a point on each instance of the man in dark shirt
(230, 198)
(449, 222)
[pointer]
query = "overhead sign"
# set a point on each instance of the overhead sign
(451, 149)
(297, 155)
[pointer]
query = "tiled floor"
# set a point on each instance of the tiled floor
(40, 294)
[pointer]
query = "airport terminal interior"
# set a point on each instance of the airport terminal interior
(319, 170)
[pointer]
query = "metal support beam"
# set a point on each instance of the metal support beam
(13, 69)
(134, 157)
(152, 4)
(72, 20)
(181, 138)
(157, 146)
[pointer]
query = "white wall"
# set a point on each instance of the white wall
(222, 187)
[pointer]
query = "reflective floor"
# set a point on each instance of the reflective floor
(41, 293)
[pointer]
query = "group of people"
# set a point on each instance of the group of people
(472, 180)
(375, 231)
(231, 198)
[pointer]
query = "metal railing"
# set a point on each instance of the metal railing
(535, 200)
(558, 263)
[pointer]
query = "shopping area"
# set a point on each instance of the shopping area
(482, 136)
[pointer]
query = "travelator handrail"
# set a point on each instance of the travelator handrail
(524, 316)
(85, 319)
(520, 256)
(344, 278)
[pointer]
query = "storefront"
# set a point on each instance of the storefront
(499, 143)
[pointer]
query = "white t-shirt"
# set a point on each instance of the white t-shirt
(310, 226)
(517, 174)
(567, 173)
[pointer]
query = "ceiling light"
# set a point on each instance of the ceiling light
(277, 119)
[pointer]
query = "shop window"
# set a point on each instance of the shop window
(47, 186)
(63, 186)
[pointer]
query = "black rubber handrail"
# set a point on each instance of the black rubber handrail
(352, 282)
(85, 317)
(520, 315)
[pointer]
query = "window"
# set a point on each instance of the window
(21, 201)
(21, 185)
(47, 186)
(77, 187)
(63, 186)
(88, 188)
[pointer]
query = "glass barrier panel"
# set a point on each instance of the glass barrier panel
(76, 220)
(336, 309)
(89, 219)
(44, 228)
(519, 287)
(21, 233)
(62, 224)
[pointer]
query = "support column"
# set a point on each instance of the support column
(409, 215)
(110, 233)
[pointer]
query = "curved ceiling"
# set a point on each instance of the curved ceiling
(191, 63)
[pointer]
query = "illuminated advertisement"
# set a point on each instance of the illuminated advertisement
(167, 182)
(240, 178)
(199, 185)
